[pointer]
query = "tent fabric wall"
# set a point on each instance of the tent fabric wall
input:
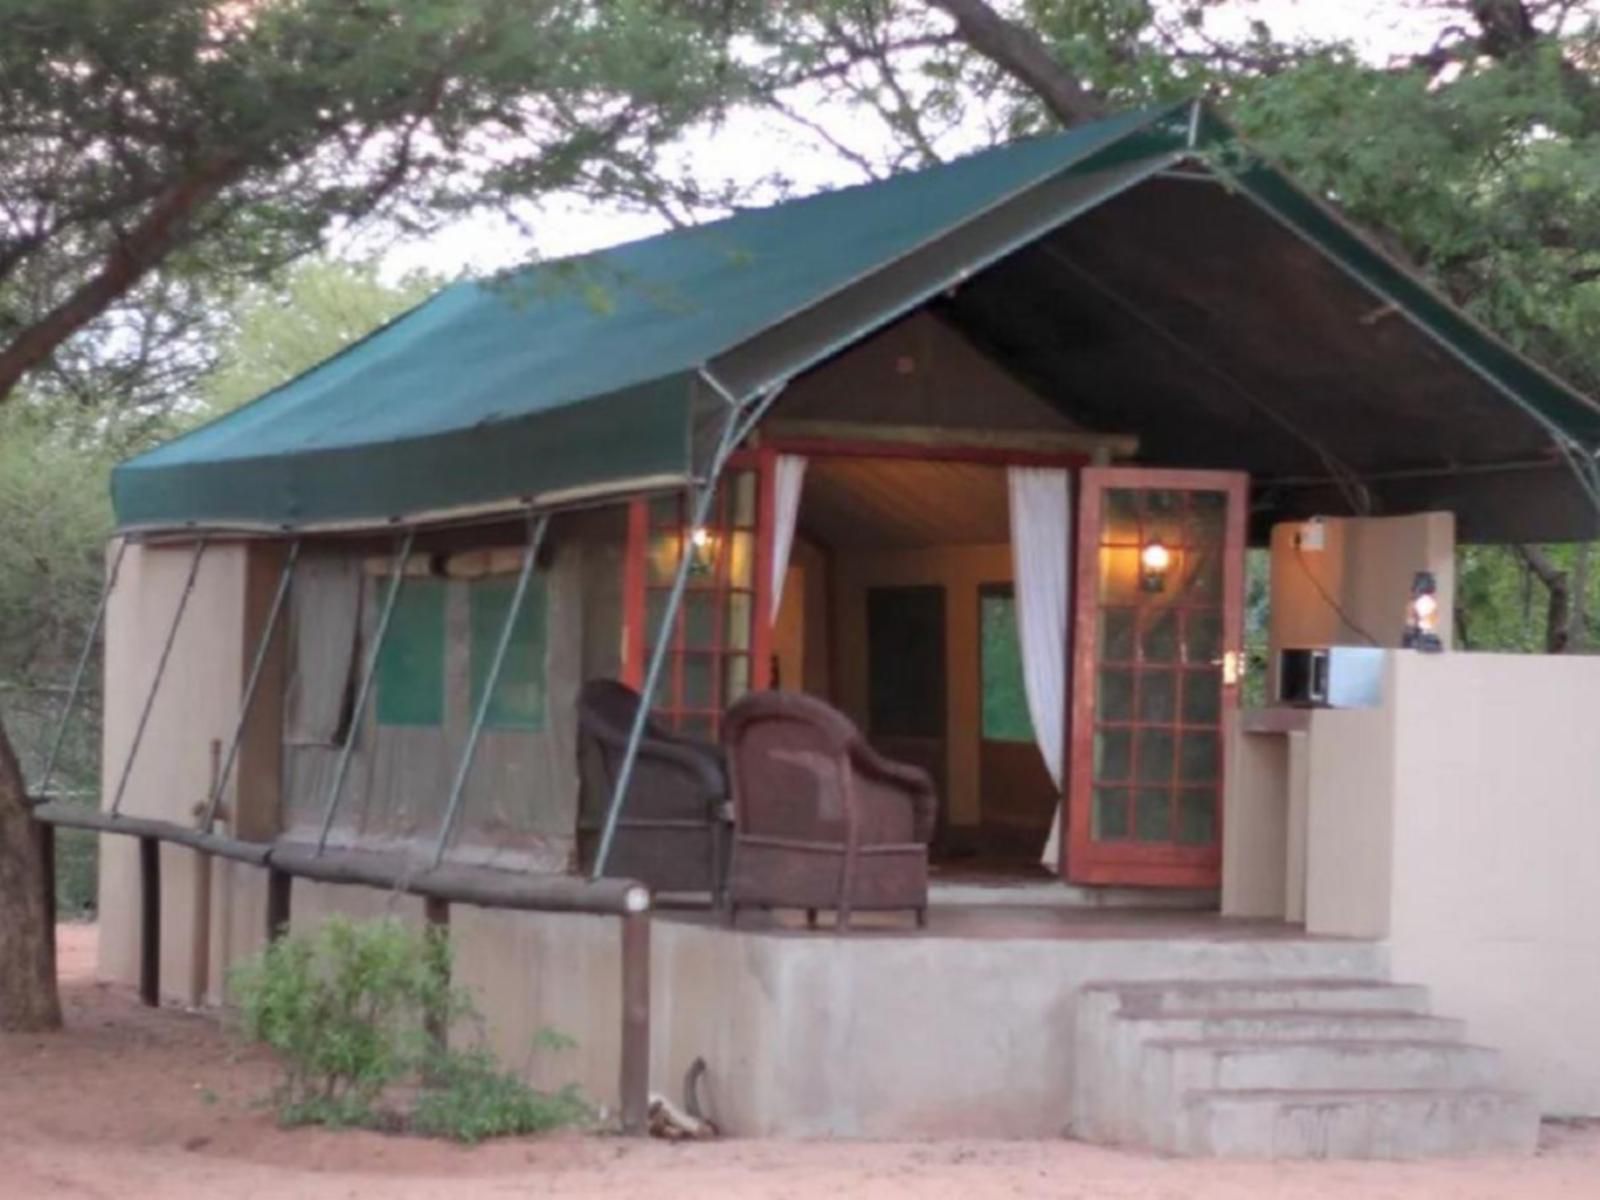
(519, 808)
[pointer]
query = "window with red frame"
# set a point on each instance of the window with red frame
(717, 647)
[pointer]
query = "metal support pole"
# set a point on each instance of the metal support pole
(733, 432)
(279, 885)
(161, 669)
(221, 782)
(80, 670)
(536, 532)
(397, 577)
(150, 921)
(635, 1075)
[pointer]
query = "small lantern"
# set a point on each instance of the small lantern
(1154, 560)
(1422, 615)
(702, 551)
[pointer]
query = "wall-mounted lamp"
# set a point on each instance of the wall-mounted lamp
(702, 551)
(1422, 614)
(1154, 561)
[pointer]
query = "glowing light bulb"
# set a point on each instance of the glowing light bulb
(701, 538)
(1426, 607)
(1156, 557)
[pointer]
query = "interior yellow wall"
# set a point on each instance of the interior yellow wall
(1367, 565)
(961, 571)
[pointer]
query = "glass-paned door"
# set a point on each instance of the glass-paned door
(1160, 583)
(718, 639)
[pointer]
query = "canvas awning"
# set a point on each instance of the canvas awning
(608, 374)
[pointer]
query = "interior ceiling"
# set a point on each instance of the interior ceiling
(878, 503)
(1183, 314)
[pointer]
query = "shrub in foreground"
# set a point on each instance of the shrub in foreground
(348, 1010)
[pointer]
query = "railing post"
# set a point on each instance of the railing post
(46, 834)
(437, 1023)
(635, 1076)
(150, 921)
(278, 900)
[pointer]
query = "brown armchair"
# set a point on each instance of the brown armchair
(821, 820)
(671, 832)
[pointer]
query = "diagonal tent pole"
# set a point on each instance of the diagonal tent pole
(397, 577)
(733, 432)
(81, 669)
(536, 531)
(250, 686)
(161, 670)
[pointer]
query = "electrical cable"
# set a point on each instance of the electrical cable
(1300, 558)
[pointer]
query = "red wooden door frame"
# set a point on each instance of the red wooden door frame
(634, 586)
(1083, 860)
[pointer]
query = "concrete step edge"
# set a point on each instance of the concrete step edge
(1241, 1045)
(1288, 1014)
(1353, 1095)
(1286, 983)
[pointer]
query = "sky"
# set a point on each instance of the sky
(745, 144)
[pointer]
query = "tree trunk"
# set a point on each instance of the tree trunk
(28, 999)
(1558, 589)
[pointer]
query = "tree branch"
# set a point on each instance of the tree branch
(134, 254)
(1019, 51)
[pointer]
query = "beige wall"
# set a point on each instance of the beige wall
(917, 372)
(961, 571)
(1460, 820)
(172, 774)
(1366, 565)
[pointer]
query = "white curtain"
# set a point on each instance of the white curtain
(787, 482)
(1041, 511)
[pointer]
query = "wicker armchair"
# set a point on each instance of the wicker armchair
(821, 820)
(671, 832)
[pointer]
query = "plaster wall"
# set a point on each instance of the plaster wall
(1366, 565)
(1495, 895)
(189, 724)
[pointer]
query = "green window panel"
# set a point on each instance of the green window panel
(1005, 698)
(519, 695)
(411, 660)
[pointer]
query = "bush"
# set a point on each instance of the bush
(348, 1010)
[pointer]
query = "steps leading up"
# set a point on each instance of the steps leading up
(1287, 1068)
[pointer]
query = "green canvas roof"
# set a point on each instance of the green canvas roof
(598, 376)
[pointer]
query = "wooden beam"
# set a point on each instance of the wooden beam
(1023, 446)
(58, 813)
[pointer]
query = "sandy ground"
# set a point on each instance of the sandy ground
(130, 1103)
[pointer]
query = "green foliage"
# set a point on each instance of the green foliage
(470, 1098)
(282, 327)
(348, 1011)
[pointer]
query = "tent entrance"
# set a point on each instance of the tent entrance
(898, 608)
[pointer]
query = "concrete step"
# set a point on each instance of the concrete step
(1289, 1025)
(1180, 1066)
(1356, 1123)
(1233, 995)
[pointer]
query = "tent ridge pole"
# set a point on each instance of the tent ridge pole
(397, 576)
(245, 701)
(530, 554)
(81, 669)
(161, 670)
